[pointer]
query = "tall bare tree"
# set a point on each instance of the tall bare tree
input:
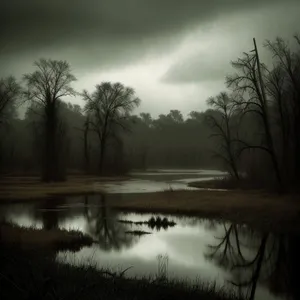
(45, 87)
(248, 83)
(222, 125)
(289, 64)
(109, 107)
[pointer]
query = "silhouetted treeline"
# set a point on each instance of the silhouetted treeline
(252, 129)
(169, 141)
(143, 142)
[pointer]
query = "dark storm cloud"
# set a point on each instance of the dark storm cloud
(102, 33)
(230, 37)
(201, 68)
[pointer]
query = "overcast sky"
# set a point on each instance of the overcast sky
(175, 54)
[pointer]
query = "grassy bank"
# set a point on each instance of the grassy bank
(229, 183)
(256, 208)
(31, 238)
(217, 183)
(34, 275)
(26, 188)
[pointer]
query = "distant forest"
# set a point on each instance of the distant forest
(251, 129)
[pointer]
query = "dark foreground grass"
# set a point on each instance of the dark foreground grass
(37, 275)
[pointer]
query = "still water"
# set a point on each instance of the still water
(159, 180)
(259, 265)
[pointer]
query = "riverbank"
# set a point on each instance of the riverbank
(257, 208)
(37, 275)
(227, 183)
(261, 210)
(31, 188)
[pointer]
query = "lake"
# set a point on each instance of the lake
(186, 248)
(158, 180)
(260, 265)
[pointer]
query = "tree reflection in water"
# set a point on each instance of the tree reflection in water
(49, 212)
(103, 225)
(253, 258)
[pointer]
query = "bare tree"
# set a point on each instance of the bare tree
(103, 226)
(289, 63)
(248, 83)
(45, 87)
(9, 91)
(222, 124)
(247, 254)
(109, 106)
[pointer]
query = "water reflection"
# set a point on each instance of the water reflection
(257, 265)
(254, 259)
(49, 212)
(103, 226)
(153, 223)
(90, 215)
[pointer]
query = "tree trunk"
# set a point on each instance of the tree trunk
(229, 147)
(272, 151)
(102, 139)
(256, 274)
(263, 99)
(102, 155)
(51, 167)
(234, 168)
(86, 148)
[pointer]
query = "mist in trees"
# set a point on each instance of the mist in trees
(251, 129)
(169, 141)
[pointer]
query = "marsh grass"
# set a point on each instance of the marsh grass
(163, 263)
(156, 222)
(170, 189)
(34, 275)
(259, 209)
(229, 183)
(137, 232)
